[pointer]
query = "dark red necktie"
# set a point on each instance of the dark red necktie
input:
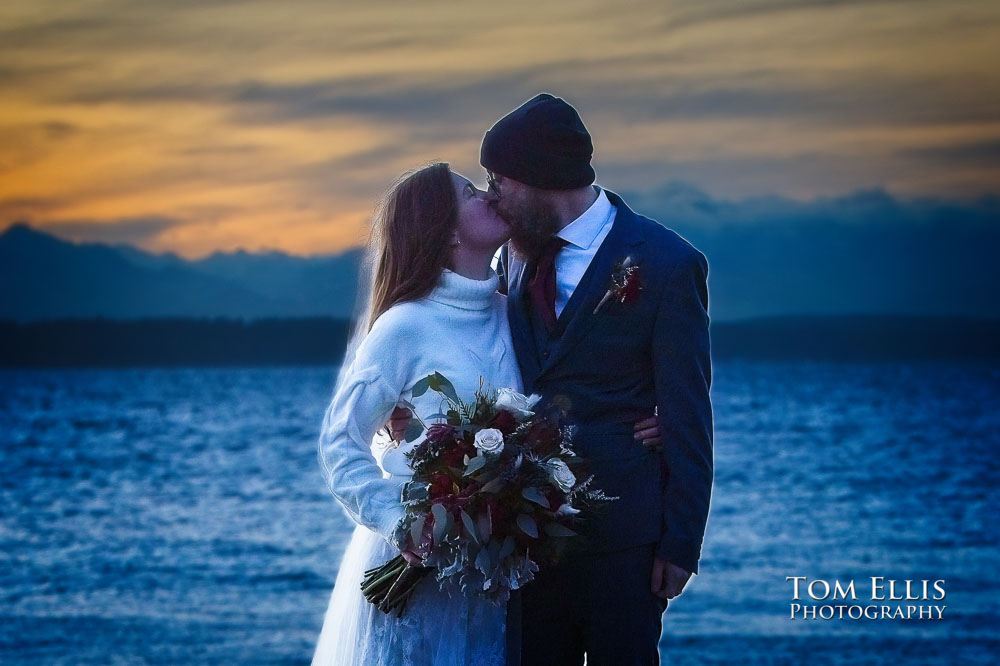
(542, 286)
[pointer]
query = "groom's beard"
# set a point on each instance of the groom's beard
(532, 223)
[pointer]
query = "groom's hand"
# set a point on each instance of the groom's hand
(399, 421)
(668, 580)
(647, 432)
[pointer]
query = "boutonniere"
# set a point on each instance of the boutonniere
(625, 284)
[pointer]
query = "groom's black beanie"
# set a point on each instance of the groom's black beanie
(541, 143)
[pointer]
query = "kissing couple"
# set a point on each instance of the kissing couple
(633, 369)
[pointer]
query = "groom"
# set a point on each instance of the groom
(612, 353)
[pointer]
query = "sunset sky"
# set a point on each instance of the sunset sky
(194, 126)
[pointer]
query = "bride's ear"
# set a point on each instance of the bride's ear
(455, 240)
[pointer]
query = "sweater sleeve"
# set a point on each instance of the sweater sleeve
(363, 402)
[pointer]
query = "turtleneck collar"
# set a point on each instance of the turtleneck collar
(465, 293)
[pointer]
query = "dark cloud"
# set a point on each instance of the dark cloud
(221, 150)
(131, 92)
(21, 73)
(127, 230)
(20, 209)
(56, 32)
(430, 105)
(806, 171)
(979, 154)
(701, 12)
(848, 98)
(834, 100)
(392, 98)
(59, 130)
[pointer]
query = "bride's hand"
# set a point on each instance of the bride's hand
(647, 432)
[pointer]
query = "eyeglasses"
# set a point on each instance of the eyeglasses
(492, 184)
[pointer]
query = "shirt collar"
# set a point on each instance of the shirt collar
(583, 231)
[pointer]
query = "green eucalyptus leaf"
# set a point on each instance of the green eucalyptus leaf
(485, 524)
(449, 522)
(417, 530)
(475, 465)
(507, 548)
(445, 387)
(470, 527)
(413, 431)
(483, 560)
(421, 386)
(535, 495)
(440, 522)
(527, 525)
(493, 485)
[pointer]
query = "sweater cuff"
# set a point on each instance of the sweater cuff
(391, 526)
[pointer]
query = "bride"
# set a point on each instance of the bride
(434, 306)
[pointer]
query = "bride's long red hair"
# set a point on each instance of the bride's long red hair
(410, 237)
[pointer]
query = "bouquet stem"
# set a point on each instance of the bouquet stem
(390, 585)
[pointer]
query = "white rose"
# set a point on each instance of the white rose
(516, 403)
(561, 474)
(489, 440)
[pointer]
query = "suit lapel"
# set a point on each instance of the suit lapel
(578, 316)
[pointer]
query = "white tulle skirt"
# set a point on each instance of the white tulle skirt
(440, 627)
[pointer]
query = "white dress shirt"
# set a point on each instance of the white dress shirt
(583, 237)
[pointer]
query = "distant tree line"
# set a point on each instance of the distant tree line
(173, 342)
(862, 337)
(321, 341)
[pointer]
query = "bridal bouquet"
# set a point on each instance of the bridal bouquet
(496, 489)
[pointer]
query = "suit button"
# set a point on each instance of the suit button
(545, 355)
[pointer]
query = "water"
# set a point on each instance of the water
(178, 516)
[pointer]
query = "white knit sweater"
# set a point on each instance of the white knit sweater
(459, 330)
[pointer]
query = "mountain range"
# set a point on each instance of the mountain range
(864, 253)
(44, 277)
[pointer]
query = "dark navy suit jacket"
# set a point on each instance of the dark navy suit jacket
(614, 366)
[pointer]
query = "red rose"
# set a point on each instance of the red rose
(544, 436)
(630, 290)
(454, 455)
(441, 485)
(439, 433)
(504, 421)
